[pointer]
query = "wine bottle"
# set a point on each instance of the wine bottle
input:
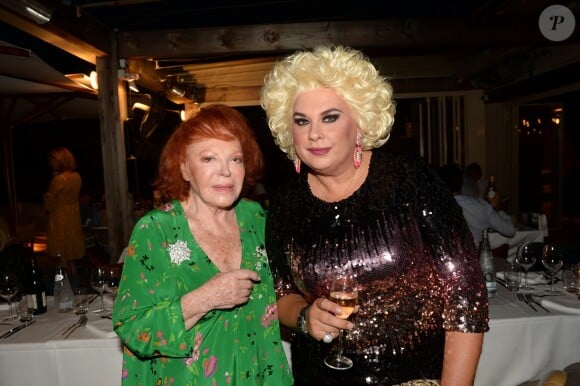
(34, 287)
(491, 191)
(487, 265)
(63, 294)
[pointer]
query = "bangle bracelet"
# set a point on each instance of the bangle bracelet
(301, 322)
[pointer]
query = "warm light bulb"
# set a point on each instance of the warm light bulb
(93, 80)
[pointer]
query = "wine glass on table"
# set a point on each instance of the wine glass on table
(98, 283)
(526, 257)
(552, 260)
(344, 292)
(113, 277)
(9, 289)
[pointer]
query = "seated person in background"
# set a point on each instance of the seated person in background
(474, 184)
(478, 213)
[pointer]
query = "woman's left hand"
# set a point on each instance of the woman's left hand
(322, 319)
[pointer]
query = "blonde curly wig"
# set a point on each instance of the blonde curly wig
(346, 70)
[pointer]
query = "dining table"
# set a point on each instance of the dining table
(524, 234)
(520, 345)
(40, 354)
(525, 341)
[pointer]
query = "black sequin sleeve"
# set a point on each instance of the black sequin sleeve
(276, 243)
(448, 241)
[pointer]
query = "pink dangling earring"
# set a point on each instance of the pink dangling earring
(297, 164)
(358, 151)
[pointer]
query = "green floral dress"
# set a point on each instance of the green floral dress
(239, 346)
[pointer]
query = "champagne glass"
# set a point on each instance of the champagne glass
(9, 289)
(552, 261)
(344, 292)
(98, 283)
(526, 257)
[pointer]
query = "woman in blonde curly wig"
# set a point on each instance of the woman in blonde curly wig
(345, 70)
(383, 218)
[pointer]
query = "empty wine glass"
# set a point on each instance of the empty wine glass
(9, 289)
(113, 277)
(552, 260)
(526, 257)
(98, 283)
(344, 292)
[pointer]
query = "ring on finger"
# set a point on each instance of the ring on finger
(327, 338)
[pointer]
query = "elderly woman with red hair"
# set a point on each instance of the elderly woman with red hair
(196, 303)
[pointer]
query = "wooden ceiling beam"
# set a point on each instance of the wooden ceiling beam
(79, 36)
(387, 36)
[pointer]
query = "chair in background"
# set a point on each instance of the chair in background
(552, 378)
(535, 220)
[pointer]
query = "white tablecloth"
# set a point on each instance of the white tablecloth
(520, 346)
(522, 236)
(523, 344)
(39, 354)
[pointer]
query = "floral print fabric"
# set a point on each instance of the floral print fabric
(238, 346)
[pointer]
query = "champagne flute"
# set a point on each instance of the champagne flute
(9, 289)
(552, 261)
(526, 257)
(344, 292)
(98, 283)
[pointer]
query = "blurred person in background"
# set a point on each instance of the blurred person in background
(61, 201)
(474, 183)
(480, 214)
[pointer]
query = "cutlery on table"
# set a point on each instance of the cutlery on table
(14, 330)
(531, 299)
(522, 298)
(79, 323)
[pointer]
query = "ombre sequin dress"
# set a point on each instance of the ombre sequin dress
(405, 237)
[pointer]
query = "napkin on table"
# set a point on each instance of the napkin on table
(569, 304)
(533, 277)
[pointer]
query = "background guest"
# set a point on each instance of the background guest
(479, 213)
(64, 231)
(474, 183)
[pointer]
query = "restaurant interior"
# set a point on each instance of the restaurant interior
(487, 81)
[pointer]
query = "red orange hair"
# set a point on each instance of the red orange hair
(215, 121)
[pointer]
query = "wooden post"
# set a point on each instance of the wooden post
(112, 102)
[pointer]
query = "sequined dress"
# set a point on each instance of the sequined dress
(404, 236)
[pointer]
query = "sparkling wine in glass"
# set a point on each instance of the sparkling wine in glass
(552, 260)
(526, 257)
(8, 290)
(98, 283)
(344, 292)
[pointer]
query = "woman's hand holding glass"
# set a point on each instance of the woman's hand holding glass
(344, 293)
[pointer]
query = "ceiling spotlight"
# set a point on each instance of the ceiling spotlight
(35, 11)
(132, 85)
(141, 106)
(94, 80)
(178, 91)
